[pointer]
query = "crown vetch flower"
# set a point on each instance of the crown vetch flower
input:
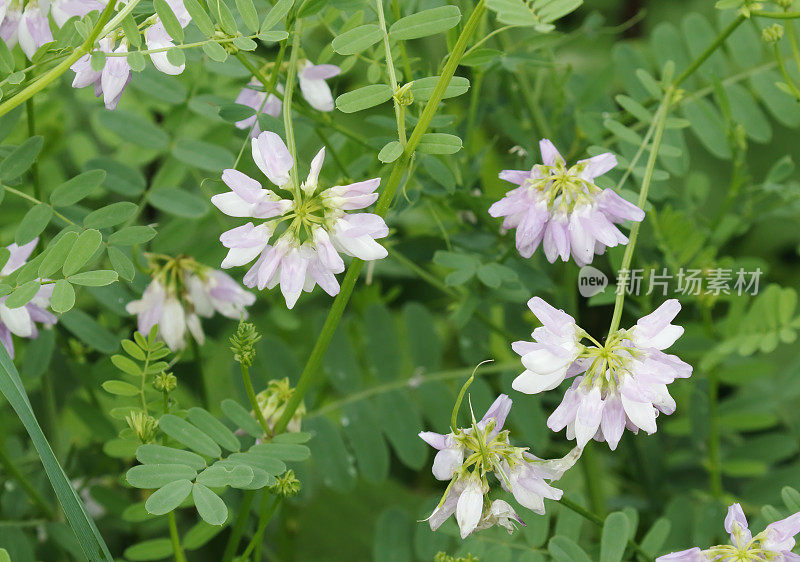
(180, 293)
(562, 209)
(774, 543)
(111, 80)
(317, 226)
(156, 37)
(34, 27)
(21, 321)
(622, 384)
(260, 102)
(467, 455)
(313, 85)
(62, 10)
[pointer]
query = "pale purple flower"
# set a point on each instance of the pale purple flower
(10, 14)
(554, 350)
(21, 321)
(501, 514)
(156, 37)
(34, 27)
(196, 292)
(317, 229)
(467, 455)
(562, 209)
(774, 543)
(620, 385)
(313, 85)
(111, 80)
(260, 102)
(62, 10)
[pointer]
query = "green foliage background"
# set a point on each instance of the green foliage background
(451, 294)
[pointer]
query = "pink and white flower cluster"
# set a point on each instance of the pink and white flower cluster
(562, 209)
(775, 543)
(619, 385)
(318, 226)
(180, 293)
(110, 80)
(466, 456)
(313, 86)
(21, 321)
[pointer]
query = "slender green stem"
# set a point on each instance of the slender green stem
(287, 100)
(238, 527)
(776, 15)
(599, 521)
(399, 111)
(31, 118)
(8, 463)
(406, 382)
(592, 474)
(788, 79)
(177, 549)
(321, 118)
(48, 77)
(698, 62)
(793, 42)
(451, 291)
(251, 395)
(219, 40)
(311, 370)
(265, 514)
(36, 201)
(118, 17)
(409, 75)
(660, 118)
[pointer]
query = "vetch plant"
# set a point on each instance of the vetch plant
(162, 409)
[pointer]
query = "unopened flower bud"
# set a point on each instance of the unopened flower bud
(444, 557)
(773, 33)
(403, 95)
(243, 343)
(143, 425)
(287, 485)
(273, 400)
(165, 382)
(785, 4)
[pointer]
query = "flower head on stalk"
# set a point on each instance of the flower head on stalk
(466, 457)
(562, 209)
(773, 544)
(182, 291)
(620, 384)
(309, 230)
(272, 403)
(110, 80)
(156, 37)
(21, 321)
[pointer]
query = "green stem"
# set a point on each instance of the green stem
(238, 528)
(31, 118)
(714, 454)
(311, 370)
(399, 112)
(710, 50)
(776, 15)
(265, 514)
(450, 291)
(592, 474)
(287, 101)
(789, 82)
(793, 42)
(321, 118)
(48, 77)
(33, 493)
(251, 395)
(177, 549)
(450, 374)
(409, 75)
(599, 521)
(660, 118)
